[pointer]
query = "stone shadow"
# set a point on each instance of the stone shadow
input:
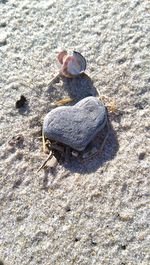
(79, 87)
(76, 88)
(87, 166)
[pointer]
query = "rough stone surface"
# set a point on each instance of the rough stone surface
(76, 125)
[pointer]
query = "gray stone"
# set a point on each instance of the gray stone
(76, 125)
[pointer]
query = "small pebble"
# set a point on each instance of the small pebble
(121, 60)
(142, 156)
(67, 208)
(93, 243)
(21, 102)
(123, 247)
(77, 239)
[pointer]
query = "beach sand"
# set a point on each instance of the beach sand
(86, 213)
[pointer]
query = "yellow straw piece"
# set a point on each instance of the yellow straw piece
(63, 101)
(110, 104)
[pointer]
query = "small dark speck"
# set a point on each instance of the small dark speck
(19, 156)
(136, 4)
(17, 183)
(31, 258)
(19, 218)
(77, 239)
(123, 247)
(142, 156)
(121, 60)
(21, 102)
(68, 209)
(137, 66)
(93, 243)
(139, 105)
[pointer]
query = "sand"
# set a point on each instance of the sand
(96, 212)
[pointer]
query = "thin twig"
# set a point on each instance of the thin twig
(53, 79)
(43, 141)
(48, 158)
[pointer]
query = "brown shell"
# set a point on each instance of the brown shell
(72, 65)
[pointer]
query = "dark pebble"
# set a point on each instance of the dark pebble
(141, 156)
(77, 239)
(93, 243)
(123, 247)
(21, 102)
(121, 60)
(67, 208)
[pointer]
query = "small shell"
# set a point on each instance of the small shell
(61, 56)
(72, 65)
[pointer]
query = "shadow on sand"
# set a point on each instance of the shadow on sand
(79, 87)
(90, 165)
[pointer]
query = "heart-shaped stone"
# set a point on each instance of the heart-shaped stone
(76, 125)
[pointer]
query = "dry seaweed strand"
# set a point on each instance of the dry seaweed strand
(110, 104)
(44, 163)
(63, 101)
(54, 79)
